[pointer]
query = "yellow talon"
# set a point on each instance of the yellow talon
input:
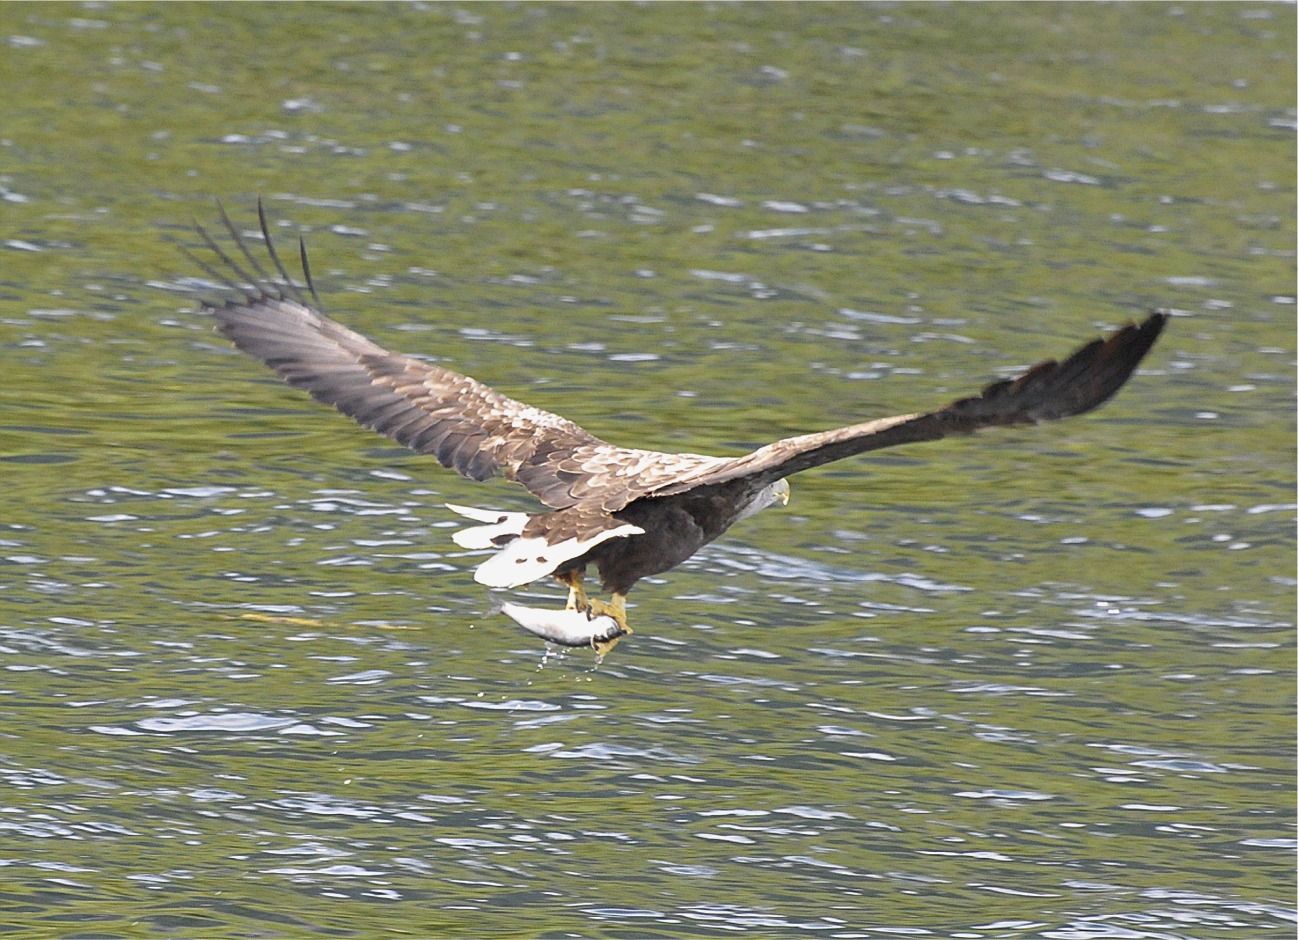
(576, 593)
(594, 607)
(615, 608)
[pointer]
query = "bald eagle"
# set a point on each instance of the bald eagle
(630, 513)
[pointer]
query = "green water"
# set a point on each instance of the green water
(1032, 684)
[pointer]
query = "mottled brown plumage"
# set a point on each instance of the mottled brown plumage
(663, 507)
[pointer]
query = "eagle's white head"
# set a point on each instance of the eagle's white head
(777, 492)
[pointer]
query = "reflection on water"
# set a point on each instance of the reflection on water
(1029, 685)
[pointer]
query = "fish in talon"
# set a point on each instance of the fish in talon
(566, 627)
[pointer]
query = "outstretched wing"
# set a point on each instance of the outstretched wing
(1048, 391)
(479, 432)
(432, 410)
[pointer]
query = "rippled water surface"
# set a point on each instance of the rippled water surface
(1033, 684)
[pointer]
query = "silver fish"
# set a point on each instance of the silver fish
(565, 627)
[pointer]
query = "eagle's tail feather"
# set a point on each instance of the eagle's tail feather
(501, 527)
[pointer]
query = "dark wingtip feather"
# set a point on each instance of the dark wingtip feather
(1051, 390)
(1117, 358)
(240, 278)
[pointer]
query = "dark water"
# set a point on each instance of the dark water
(1033, 684)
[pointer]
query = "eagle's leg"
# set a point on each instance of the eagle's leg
(615, 607)
(576, 593)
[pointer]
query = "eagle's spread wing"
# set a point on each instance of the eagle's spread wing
(430, 409)
(479, 432)
(1048, 391)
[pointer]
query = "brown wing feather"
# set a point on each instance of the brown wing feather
(1046, 392)
(479, 432)
(465, 424)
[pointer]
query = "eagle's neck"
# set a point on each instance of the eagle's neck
(777, 492)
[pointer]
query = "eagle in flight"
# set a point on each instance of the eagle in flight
(630, 513)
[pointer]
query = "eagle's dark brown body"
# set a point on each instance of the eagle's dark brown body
(630, 513)
(675, 527)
